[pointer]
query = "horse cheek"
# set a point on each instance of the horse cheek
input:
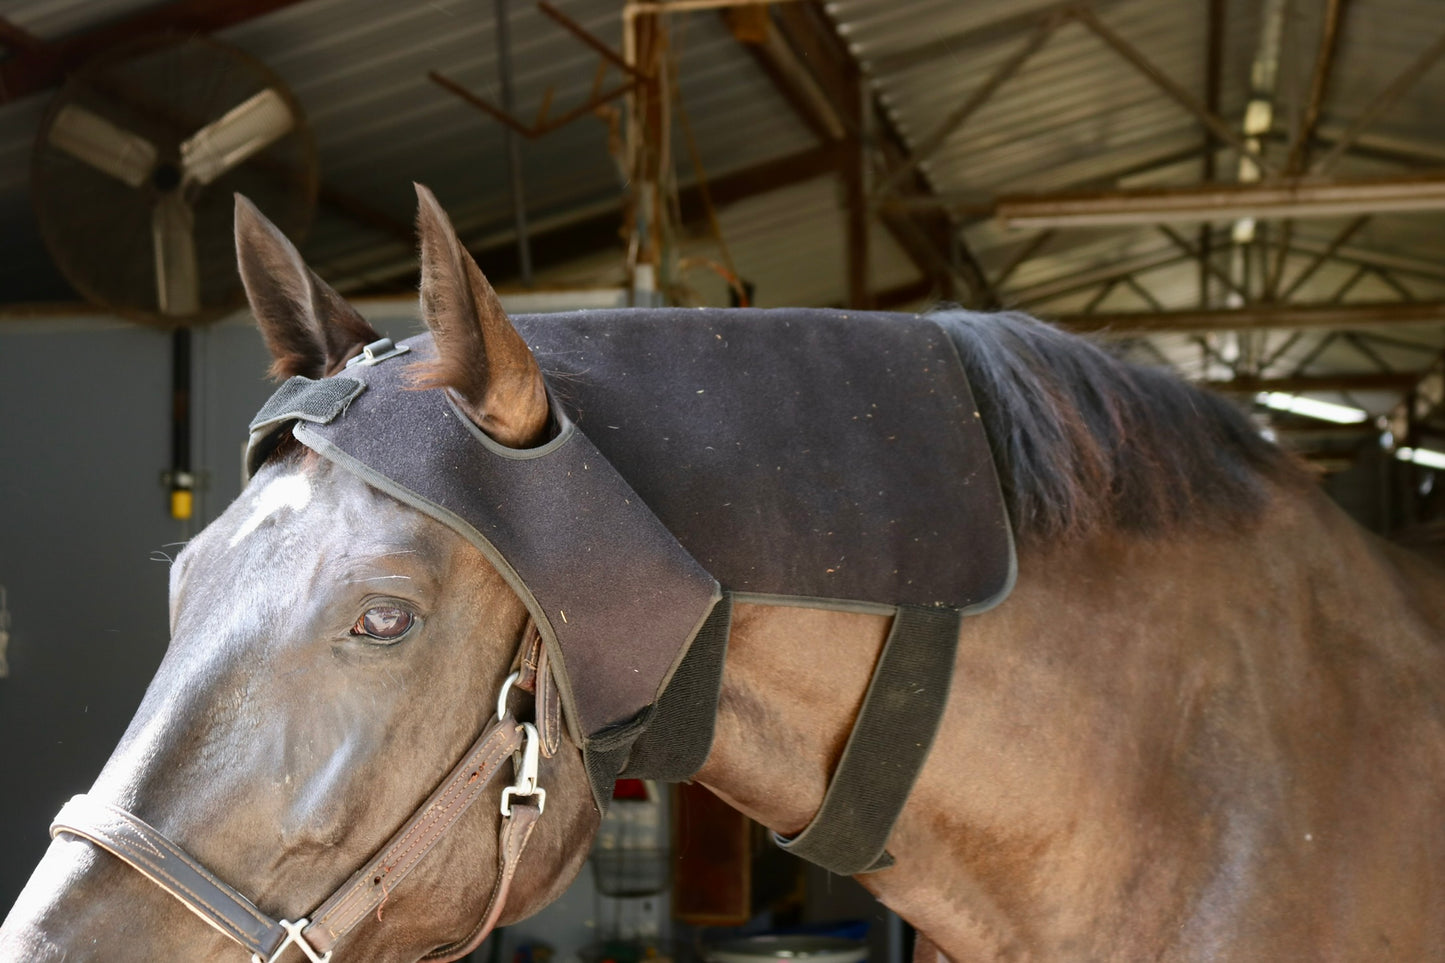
(324, 792)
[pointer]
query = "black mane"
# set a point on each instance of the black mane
(1083, 439)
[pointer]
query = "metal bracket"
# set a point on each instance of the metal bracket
(295, 937)
(377, 352)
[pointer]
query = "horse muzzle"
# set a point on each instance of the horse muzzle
(315, 936)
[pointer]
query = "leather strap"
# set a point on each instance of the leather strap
(512, 840)
(143, 847)
(166, 864)
(535, 676)
(548, 707)
(369, 886)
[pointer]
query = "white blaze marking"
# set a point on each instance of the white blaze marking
(288, 491)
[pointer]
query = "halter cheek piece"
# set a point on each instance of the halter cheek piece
(170, 867)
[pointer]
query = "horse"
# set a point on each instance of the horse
(1205, 724)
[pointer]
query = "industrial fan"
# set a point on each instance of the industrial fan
(135, 165)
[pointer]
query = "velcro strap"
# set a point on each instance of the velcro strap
(307, 399)
(887, 747)
(143, 847)
(298, 399)
(370, 885)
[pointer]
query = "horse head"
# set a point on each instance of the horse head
(333, 654)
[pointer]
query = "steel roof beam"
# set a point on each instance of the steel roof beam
(1337, 242)
(1299, 146)
(809, 49)
(1204, 256)
(1383, 101)
(1305, 384)
(1077, 281)
(1135, 58)
(1260, 316)
(927, 147)
(1300, 198)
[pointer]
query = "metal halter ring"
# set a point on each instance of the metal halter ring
(296, 937)
(506, 691)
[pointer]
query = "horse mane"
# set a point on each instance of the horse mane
(1084, 440)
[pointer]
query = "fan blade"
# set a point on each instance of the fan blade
(90, 138)
(223, 144)
(178, 280)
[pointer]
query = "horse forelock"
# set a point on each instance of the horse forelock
(1084, 440)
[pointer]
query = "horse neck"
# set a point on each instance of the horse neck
(1134, 740)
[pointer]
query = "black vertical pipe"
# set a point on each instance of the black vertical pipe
(182, 481)
(514, 146)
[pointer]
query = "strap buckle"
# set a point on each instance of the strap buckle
(378, 351)
(526, 761)
(294, 936)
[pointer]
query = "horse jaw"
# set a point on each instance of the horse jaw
(282, 754)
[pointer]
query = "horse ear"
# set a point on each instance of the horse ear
(480, 356)
(310, 329)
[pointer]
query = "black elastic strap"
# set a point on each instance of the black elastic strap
(885, 751)
(679, 735)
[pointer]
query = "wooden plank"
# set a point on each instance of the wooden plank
(712, 866)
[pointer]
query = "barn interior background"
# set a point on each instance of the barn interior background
(1250, 192)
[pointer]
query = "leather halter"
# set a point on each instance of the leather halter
(169, 866)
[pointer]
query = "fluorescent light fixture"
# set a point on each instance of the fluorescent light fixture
(1312, 408)
(1422, 456)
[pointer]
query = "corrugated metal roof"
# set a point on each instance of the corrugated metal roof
(359, 69)
(1075, 116)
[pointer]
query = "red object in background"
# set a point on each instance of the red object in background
(630, 789)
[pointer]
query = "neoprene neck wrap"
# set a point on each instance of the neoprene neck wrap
(618, 601)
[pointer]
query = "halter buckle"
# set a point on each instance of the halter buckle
(526, 761)
(294, 936)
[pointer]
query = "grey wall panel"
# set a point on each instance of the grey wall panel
(84, 436)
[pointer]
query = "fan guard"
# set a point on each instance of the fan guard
(135, 164)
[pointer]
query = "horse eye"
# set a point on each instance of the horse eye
(385, 623)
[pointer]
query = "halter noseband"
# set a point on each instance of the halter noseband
(169, 866)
